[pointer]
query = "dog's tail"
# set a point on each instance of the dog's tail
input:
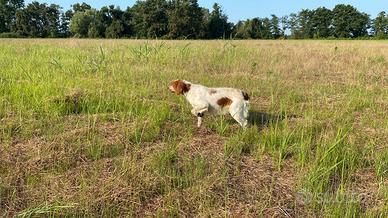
(246, 104)
(245, 95)
(246, 109)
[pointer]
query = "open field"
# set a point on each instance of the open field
(88, 128)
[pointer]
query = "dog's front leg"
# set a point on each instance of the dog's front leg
(199, 114)
(199, 117)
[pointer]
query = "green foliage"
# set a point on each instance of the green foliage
(114, 30)
(64, 28)
(380, 26)
(38, 20)
(256, 28)
(182, 19)
(321, 22)
(10, 35)
(275, 27)
(150, 18)
(8, 9)
(348, 22)
(77, 7)
(81, 22)
(218, 25)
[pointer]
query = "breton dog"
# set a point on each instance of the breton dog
(213, 100)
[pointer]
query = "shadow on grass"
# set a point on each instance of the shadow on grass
(262, 119)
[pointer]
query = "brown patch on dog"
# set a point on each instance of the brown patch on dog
(180, 87)
(223, 102)
(212, 92)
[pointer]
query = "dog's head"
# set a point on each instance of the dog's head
(179, 87)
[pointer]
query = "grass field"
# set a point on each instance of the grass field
(88, 128)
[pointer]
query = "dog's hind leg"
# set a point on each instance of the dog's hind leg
(239, 111)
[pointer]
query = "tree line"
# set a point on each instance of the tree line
(182, 19)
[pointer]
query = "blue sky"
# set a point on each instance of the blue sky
(243, 9)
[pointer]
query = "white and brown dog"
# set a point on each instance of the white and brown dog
(213, 100)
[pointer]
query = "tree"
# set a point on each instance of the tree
(127, 19)
(349, 22)
(240, 30)
(116, 21)
(81, 7)
(53, 20)
(285, 25)
(218, 26)
(80, 23)
(294, 26)
(150, 18)
(305, 24)
(275, 28)
(38, 20)
(321, 22)
(8, 10)
(181, 19)
(255, 28)
(64, 30)
(380, 25)
(184, 19)
(115, 29)
(266, 32)
(97, 27)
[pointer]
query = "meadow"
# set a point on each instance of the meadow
(88, 128)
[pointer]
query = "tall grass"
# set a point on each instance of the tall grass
(88, 128)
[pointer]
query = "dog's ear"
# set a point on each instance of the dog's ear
(180, 87)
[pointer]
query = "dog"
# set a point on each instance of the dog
(213, 100)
